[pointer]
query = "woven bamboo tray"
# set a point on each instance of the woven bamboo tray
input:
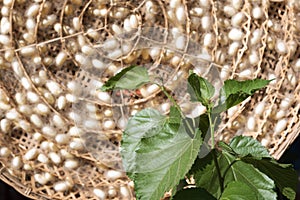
(60, 135)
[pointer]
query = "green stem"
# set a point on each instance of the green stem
(212, 132)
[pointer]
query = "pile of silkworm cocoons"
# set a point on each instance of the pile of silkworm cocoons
(60, 134)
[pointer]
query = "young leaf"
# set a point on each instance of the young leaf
(129, 78)
(234, 92)
(200, 89)
(239, 171)
(284, 176)
(238, 191)
(245, 146)
(155, 155)
(193, 194)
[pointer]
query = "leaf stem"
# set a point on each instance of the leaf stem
(212, 128)
(212, 132)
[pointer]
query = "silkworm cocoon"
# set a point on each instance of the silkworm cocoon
(37, 136)
(124, 192)
(36, 120)
(5, 125)
(64, 153)
(48, 176)
(7, 3)
(49, 131)
(285, 103)
(104, 96)
(229, 10)
(76, 23)
(40, 179)
(91, 124)
(208, 39)
(112, 192)
(133, 21)
(113, 174)
(16, 162)
(297, 65)
(61, 102)
(61, 186)
(54, 88)
(233, 48)
(5, 25)
(154, 52)
(99, 193)
(4, 106)
(116, 29)
(54, 157)
(45, 145)
(62, 138)
(86, 49)
(75, 131)
(237, 19)
(280, 114)
(71, 164)
(27, 167)
(58, 121)
(152, 88)
(257, 12)
(4, 39)
(61, 58)
(180, 14)
(237, 4)
(17, 68)
(33, 10)
(76, 144)
(4, 152)
(115, 54)
(25, 109)
(25, 125)
(206, 22)
(259, 108)
(251, 123)
(235, 34)
(52, 146)
(32, 97)
(253, 58)
(281, 47)
(5, 11)
(246, 74)
(98, 64)
(109, 125)
(74, 116)
(280, 126)
(122, 122)
(31, 154)
(174, 3)
(71, 98)
(93, 34)
(12, 114)
(42, 109)
(43, 158)
(28, 51)
(204, 3)
(225, 72)
(180, 42)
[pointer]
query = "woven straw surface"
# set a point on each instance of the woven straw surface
(59, 135)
